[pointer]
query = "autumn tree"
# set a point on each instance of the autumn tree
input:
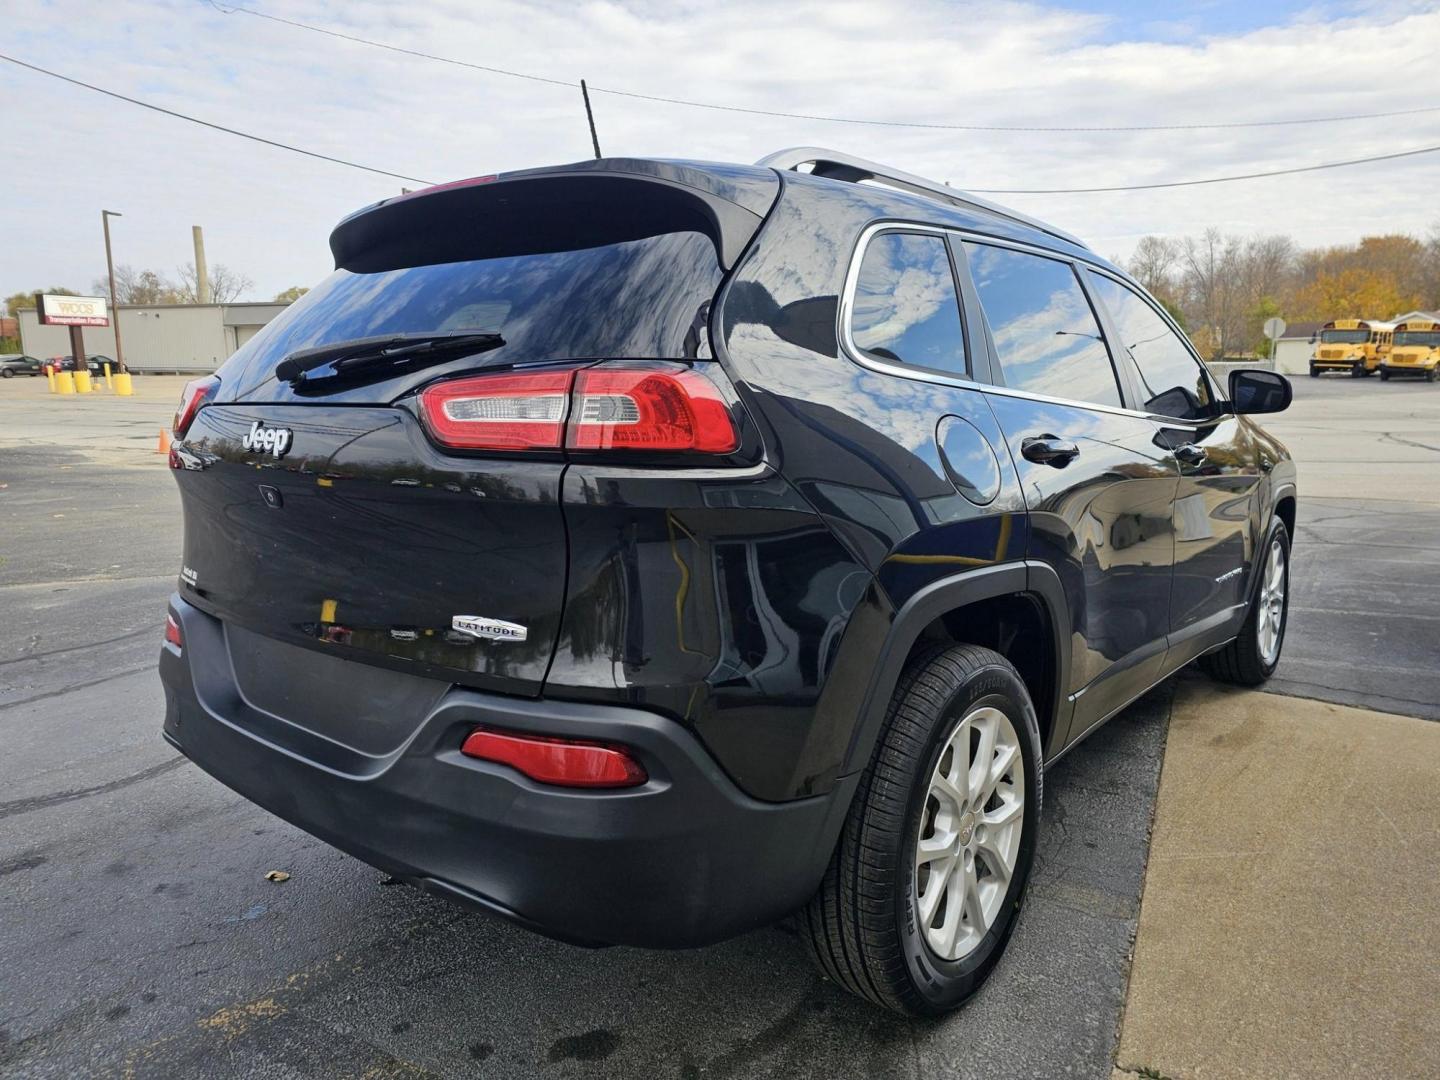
(290, 295)
(1353, 292)
(16, 301)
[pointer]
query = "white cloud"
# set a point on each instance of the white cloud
(267, 213)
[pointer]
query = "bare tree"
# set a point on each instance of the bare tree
(226, 285)
(1153, 265)
(138, 287)
(1213, 299)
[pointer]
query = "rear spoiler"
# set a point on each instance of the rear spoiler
(564, 208)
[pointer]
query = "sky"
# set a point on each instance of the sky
(267, 213)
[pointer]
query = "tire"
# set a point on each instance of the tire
(864, 924)
(1314, 372)
(1247, 661)
(1384, 376)
(7, 374)
(1358, 371)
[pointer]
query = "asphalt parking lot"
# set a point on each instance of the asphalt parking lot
(141, 939)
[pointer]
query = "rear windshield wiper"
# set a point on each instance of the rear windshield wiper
(377, 357)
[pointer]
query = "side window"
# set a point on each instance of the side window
(1172, 382)
(1046, 336)
(906, 310)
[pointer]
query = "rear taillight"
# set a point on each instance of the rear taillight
(514, 411)
(562, 762)
(642, 409)
(655, 407)
(172, 631)
(196, 393)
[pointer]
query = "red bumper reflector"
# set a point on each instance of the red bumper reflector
(557, 761)
(172, 631)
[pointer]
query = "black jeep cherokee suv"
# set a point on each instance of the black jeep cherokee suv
(647, 550)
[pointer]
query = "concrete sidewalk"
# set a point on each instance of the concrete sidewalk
(1290, 925)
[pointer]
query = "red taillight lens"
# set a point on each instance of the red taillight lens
(557, 761)
(172, 631)
(196, 393)
(514, 411)
(659, 407)
(645, 409)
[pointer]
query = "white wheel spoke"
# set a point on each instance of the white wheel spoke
(997, 860)
(946, 789)
(939, 882)
(949, 930)
(1008, 811)
(1004, 759)
(937, 847)
(974, 909)
(984, 754)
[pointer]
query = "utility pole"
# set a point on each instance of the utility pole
(590, 115)
(202, 272)
(105, 216)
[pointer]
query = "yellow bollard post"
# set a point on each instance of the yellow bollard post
(108, 384)
(123, 387)
(50, 377)
(82, 382)
(65, 381)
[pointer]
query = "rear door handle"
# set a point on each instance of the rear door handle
(1190, 454)
(1049, 450)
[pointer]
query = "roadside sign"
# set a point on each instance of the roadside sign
(56, 310)
(1274, 327)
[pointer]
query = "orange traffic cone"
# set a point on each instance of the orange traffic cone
(163, 446)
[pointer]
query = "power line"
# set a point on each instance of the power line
(208, 124)
(1037, 129)
(979, 191)
(1211, 180)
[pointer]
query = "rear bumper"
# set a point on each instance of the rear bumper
(684, 859)
(1408, 369)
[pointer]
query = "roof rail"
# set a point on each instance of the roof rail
(840, 166)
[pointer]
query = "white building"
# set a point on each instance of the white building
(1295, 347)
(158, 337)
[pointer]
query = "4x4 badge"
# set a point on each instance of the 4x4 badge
(494, 629)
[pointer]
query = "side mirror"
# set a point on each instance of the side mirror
(1259, 392)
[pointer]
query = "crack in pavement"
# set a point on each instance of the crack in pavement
(40, 802)
(75, 648)
(75, 686)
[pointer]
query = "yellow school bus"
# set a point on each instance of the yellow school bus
(1416, 351)
(1357, 346)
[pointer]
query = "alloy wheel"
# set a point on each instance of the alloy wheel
(1270, 618)
(969, 833)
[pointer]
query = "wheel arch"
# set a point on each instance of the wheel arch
(1017, 608)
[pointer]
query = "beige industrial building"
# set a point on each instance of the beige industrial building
(158, 337)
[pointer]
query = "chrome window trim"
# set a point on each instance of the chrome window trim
(857, 356)
(847, 306)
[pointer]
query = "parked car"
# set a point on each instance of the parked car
(95, 365)
(12, 364)
(643, 551)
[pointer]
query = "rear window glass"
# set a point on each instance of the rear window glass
(641, 298)
(905, 308)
